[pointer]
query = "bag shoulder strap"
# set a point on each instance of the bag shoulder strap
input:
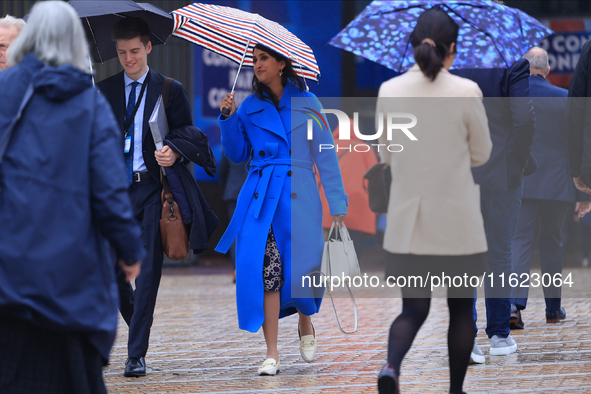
(166, 90)
(336, 317)
(168, 196)
(165, 93)
(334, 309)
(4, 139)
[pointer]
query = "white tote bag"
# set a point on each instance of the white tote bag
(340, 259)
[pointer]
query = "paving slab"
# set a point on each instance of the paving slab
(196, 347)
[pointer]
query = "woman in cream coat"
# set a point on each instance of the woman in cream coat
(434, 223)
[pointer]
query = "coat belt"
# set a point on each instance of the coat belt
(248, 190)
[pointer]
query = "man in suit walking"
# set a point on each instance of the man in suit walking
(511, 123)
(578, 133)
(132, 95)
(547, 194)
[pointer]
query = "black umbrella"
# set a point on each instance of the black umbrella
(99, 17)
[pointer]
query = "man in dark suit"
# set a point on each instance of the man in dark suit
(132, 95)
(511, 123)
(578, 129)
(547, 194)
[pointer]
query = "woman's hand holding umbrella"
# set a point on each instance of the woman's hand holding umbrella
(228, 104)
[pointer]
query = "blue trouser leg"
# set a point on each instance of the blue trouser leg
(523, 245)
(500, 210)
(125, 295)
(147, 206)
(552, 217)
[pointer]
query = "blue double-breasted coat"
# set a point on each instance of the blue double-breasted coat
(281, 191)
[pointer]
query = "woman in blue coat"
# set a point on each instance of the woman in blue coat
(278, 217)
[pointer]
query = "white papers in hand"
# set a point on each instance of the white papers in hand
(158, 124)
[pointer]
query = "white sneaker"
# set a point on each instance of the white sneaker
(476, 356)
(502, 346)
(269, 367)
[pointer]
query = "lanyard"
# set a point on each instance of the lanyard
(137, 105)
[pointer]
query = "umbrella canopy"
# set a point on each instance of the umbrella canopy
(233, 33)
(99, 17)
(491, 35)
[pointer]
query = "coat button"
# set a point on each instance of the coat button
(262, 153)
(293, 195)
(289, 173)
(290, 152)
(256, 195)
(261, 173)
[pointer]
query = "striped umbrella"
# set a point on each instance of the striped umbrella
(233, 33)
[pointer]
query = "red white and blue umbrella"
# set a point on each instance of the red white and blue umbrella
(233, 33)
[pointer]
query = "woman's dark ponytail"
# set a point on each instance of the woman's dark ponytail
(431, 39)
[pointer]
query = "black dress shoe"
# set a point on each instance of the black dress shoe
(555, 317)
(388, 380)
(515, 323)
(135, 367)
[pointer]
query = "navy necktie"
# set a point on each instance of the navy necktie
(130, 133)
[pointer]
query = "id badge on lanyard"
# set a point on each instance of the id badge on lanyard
(127, 146)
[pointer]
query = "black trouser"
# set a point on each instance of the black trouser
(36, 360)
(137, 307)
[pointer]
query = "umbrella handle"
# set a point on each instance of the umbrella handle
(91, 70)
(226, 111)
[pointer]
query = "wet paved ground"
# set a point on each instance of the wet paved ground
(196, 347)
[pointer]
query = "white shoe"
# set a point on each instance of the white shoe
(476, 356)
(308, 348)
(269, 367)
(502, 346)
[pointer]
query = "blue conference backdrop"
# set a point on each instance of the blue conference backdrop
(564, 50)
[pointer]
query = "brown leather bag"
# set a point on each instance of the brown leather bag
(175, 241)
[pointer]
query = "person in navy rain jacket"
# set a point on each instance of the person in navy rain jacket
(278, 217)
(64, 207)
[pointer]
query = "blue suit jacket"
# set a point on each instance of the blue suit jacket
(511, 123)
(578, 118)
(552, 180)
(183, 137)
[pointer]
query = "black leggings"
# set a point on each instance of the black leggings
(460, 336)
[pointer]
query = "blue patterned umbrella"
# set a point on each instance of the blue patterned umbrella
(491, 35)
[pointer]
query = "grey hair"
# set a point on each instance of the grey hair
(9, 22)
(55, 35)
(538, 59)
